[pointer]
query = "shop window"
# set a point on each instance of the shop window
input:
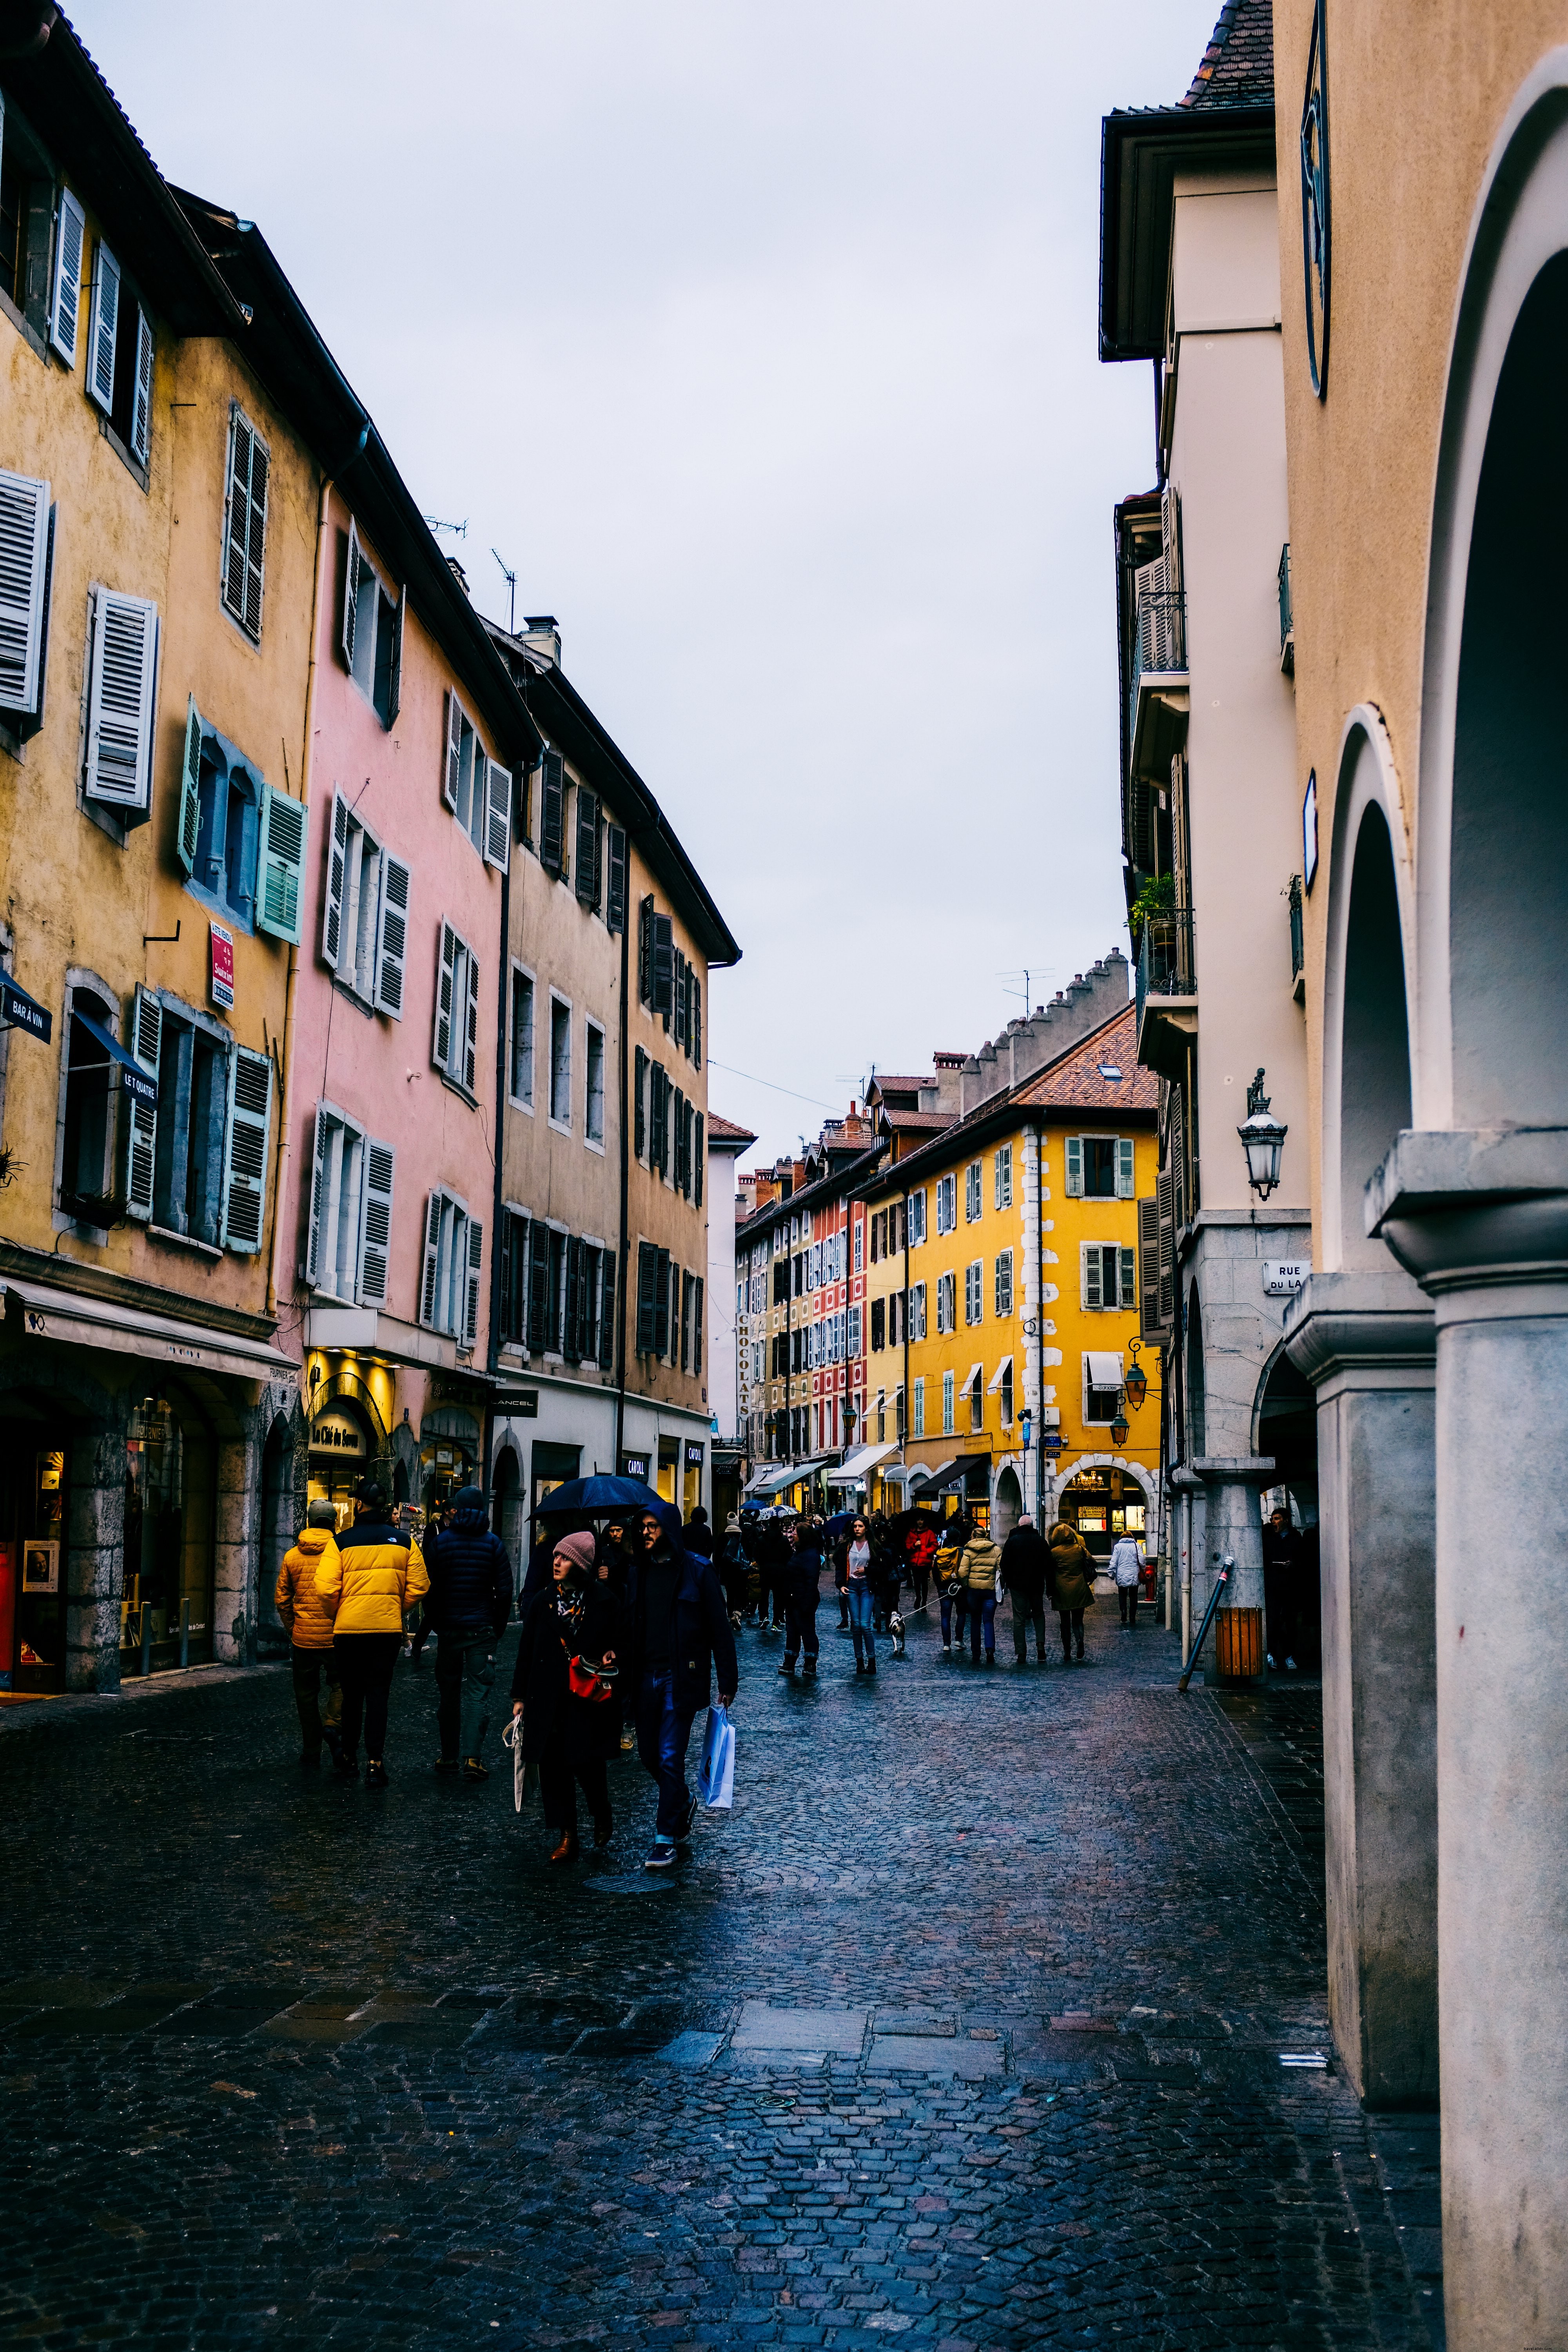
(165, 1604)
(34, 1484)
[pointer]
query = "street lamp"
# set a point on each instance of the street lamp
(1136, 1386)
(1119, 1429)
(1262, 1139)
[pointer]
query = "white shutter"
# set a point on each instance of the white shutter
(337, 861)
(190, 819)
(249, 1124)
(318, 1195)
(452, 755)
(1127, 1293)
(142, 397)
(471, 1038)
(376, 1222)
(65, 309)
(498, 830)
(1124, 1167)
(146, 1039)
(476, 1260)
(447, 955)
(285, 828)
(24, 560)
(1075, 1167)
(1171, 536)
(431, 1261)
(350, 596)
(392, 935)
(394, 682)
(1090, 1262)
(105, 327)
(125, 636)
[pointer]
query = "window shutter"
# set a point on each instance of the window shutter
(644, 952)
(376, 1222)
(1124, 1167)
(452, 750)
(24, 560)
(141, 1158)
(441, 1046)
(1166, 1310)
(350, 596)
(142, 397)
(285, 825)
(682, 1182)
(1127, 1286)
(105, 327)
(615, 895)
(318, 1194)
(475, 1263)
(696, 1020)
(698, 1165)
(471, 1031)
(392, 941)
(607, 1313)
(571, 1348)
(431, 1261)
(1075, 1167)
(244, 546)
(121, 685)
(639, 1118)
(498, 828)
(65, 309)
(538, 1286)
(552, 810)
(1090, 1253)
(249, 1125)
(509, 1225)
(586, 861)
(648, 1298)
(663, 966)
(337, 861)
(395, 676)
(1176, 1161)
(1149, 1324)
(661, 1305)
(678, 999)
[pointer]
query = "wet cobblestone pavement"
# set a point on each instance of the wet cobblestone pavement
(964, 2029)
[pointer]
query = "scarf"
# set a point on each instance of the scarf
(569, 1603)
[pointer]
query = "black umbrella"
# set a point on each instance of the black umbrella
(597, 1498)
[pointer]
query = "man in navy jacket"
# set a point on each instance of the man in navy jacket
(678, 1635)
(470, 1601)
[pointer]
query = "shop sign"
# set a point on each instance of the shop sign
(18, 1010)
(634, 1465)
(693, 1455)
(222, 968)
(519, 1405)
(336, 1437)
(1283, 1276)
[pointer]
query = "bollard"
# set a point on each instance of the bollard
(185, 1632)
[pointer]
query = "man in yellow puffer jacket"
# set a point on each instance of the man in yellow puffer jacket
(379, 1572)
(977, 1565)
(309, 1623)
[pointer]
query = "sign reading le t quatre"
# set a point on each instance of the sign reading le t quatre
(1283, 1275)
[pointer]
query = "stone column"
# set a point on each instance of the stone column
(1481, 1220)
(235, 1547)
(92, 1561)
(1367, 1343)
(1182, 1611)
(1233, 1527)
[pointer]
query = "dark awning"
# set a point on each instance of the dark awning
(956, 1473)
(138, 1083)
(20, 1010)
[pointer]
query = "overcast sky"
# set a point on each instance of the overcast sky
(761, 343)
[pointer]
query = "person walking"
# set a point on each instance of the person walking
(734, 1572)
(952, 1594)
(378, 1570)
(469, 1607)
(802, 1584)
(1024, 1562)
(1126, 1568)
(565, 1685)
(860, 1588)
(773, 1564)
(1281, 1578)
(697, 1535)
(678, 1637)
(920, 1550)
(1072, 1580)
(887, 1566)
(308, 1625)
(978, 1563)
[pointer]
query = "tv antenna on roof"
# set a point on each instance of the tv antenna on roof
(511, 578)
(458, 530)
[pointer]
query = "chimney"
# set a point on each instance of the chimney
(458, 572)
(541, 635)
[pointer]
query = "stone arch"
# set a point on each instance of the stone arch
(1196, 1382)
(507, 1513)
(1008, 1507)
(1135, 1470)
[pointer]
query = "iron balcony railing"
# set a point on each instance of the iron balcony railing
(1166, 966)
(1298, 938)
(1287, 614)
(1159, 641)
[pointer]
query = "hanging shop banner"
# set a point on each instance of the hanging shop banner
(20, 1010)
(222, 968)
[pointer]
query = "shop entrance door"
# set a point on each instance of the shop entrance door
(165, 1605)
(34, 1478)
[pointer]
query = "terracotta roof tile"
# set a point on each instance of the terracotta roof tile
(1237, 67)
(926, 1122)
(900, 1086)
(1075, 1082)
(725, 1130)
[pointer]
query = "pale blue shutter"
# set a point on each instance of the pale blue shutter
(376, 1222)
(1075, 1167)
(65, 309)
(349, 620)
(337, 876)
(250, 1128)
(104, 328)
(141, 398)
(1124, 1167)
(190, 824)
(285, 826)
(392, 942)
(24, 562)
(1128, 1294)
(121, 681)
(141, 1157)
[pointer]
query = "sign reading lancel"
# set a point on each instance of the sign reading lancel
(1282, 1276)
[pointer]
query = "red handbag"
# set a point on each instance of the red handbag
(585, 1681)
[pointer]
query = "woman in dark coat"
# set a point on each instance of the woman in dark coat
(1072, 1583)
(571, 1738)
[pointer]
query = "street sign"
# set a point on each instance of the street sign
(1282, 1276)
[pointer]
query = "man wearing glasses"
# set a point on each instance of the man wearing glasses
(680, 1635)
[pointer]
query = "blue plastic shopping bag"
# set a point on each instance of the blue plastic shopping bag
(716, 1780)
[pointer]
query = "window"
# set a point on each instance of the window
(245, 522)
(640, 1112)
(197, 1160)
(514, 1225)
(1001, 1177)
(1099, 1167)
(27, 537)
(121, 367)
(658, 1120)
(917, 1400)
(70, 254)
(916, 1325)
(878, 1326)
(593, 1126)
(976, 1402)
(1110, 1275)
(27, 223)
(973, 1297)
(559, 1064)
(947, 1387)
(1101, 1386)
(946, 1301)
(615, 889)
(1004, 1282)
(364, 912)
(521, 1067)
(371, 632)
(687, 1288)
(241, 842)
(972, 1192)
(454, 1258)
(853, 1332)
(1005, 1392)
(946, 1203)
(653, 1300)
(455, 1048)
(859, 1243)
(349, 1235)
(89, 1094)
(122, 678)
(475, 788)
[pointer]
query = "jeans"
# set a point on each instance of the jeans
(920, 1580)
(1127, 1601)
(365, 1662)
(982, 1621)
(464, 1670)
(1071, 1623)
(954, 1606)
(861, 1600)
(308, 1667)
(561, 1769)
(664, 1730)
(800, 1629)
(1025, 1614)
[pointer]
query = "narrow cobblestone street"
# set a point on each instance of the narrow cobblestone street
(965, 2027)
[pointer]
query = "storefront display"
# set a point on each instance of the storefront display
(33, 1487)
(341, 1448)
(1102, 1505)
(165, 1615)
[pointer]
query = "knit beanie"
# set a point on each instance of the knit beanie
(578, 1548)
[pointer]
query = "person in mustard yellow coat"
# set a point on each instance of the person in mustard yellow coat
(308, 1621)
(379, 1570)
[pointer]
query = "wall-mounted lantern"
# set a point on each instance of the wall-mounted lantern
(1262, 1139)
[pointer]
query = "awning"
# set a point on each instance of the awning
(138, 1083)
(930, 1478)
(970, 1377)
(20, 1010)
(999, 1375)
(955, 1473)
(50, 1314)
(853, 1469)
(1104, 1371)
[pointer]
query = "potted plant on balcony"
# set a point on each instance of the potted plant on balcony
(1156, 897)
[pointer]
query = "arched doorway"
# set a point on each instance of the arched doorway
(1195, 1384)
(506, 1509)
(1104, 1499)
(1009, 1504)
(1374, 1033)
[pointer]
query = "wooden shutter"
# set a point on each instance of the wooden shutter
(699, 1163)
(1091, 1273)
(1171, 536)
(1127, 1278)
(451, 750)
(120, 682)
(538, 1286)
(392, 935)
(648, 1298)
(682, 1177)
(497, 821)
(104, 328)
(1176, 1158)
(508, 1224)
(249, 1125)
(141, 394)
(679, 999)
(639, 1118)
(661, 1305)
(1124, 1179)
(350, 621)
(552, 810)
(394, 672)
(285, 825)
(475, 1264)
(24, 563)
(337, 870)
(376, 1222)
(1149, 1323)
(432, 1265)
(189, 825)
(1075, 1167)
(663, 966)
(587, 864)
(607, 1312)
(1165, 1308)
(447, 956)
(571, 1348)
(694, 1022)
(65, 305)
(471, 1026)
(244, 547)
(318, 1194)
(644, 952)
(616, 894)
(141, 1150)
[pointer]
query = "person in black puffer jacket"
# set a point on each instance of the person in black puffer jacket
(469, 1603)
(1025, 1560)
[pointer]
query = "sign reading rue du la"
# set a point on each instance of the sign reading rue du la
(1283, 1275)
